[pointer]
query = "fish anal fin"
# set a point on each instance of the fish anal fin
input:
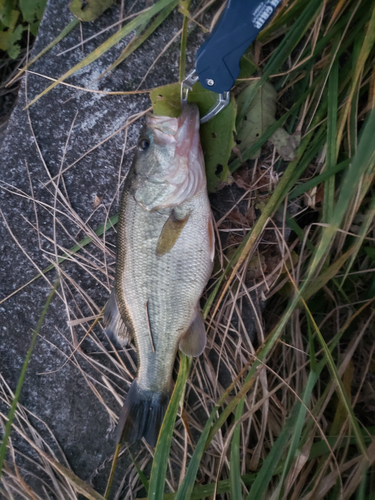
(171, 231)
(116, 328)
(142, 415)
(193, 341)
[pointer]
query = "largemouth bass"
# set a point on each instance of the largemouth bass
(165, 252)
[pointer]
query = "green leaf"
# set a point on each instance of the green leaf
(247, 154)
(90, 9)
(184, 6)
(8, 15)
(8, 41)
(34, 28)
(160, 462)
(32, 10)
(286, 145)
(14, 50)
(166, 100)
(216, 135)
(9, 18)
(258, 116)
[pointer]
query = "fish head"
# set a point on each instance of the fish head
(169, 166)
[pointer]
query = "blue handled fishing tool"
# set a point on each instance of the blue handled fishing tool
(217, 64)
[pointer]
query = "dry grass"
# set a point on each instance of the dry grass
(327, 460)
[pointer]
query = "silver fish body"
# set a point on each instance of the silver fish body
(165, 251)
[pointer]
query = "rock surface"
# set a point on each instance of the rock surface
(51, 135)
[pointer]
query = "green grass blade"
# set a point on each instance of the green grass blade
(306, 186)
(295, 441)
(142, 37)
(362, 160)
(365, 226)
(367, 46)
(321, 447)
(208, 432)
(202, 491)
(160, 462)
(286, 46)
(12, 412)
(185, 490)
(340, 387)
(328, 274)
(235, 466)
(299, 232)
(141, 474)
(293, 171)
(185, 10)
(329, 185)
(272, 460)
(281, 20)
(102, 49)
(353, 115)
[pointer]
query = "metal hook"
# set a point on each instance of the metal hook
(187, 84)
(221, 103)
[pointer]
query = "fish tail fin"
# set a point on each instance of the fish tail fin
(142, 415)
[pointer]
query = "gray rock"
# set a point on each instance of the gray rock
(65, 124)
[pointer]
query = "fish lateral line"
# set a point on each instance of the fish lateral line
(149, 327)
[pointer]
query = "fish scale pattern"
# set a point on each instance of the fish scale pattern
(165, 288)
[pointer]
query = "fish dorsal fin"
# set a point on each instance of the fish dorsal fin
(194, 339)
(171, 231)
(116, 328)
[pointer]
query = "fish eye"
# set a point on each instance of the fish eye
(143, 145)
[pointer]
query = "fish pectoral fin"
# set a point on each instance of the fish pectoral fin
(193, 341)
(171, 231)
(116, 328)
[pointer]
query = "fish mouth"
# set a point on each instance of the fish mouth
(178, 141)
(187, 136)
(182, 131)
